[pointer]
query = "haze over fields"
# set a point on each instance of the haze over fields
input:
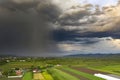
(59, 27)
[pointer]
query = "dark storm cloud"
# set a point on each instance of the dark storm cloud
(62, 35)
(27, 25)
(83, 41)
(88, 41)
(101, 34)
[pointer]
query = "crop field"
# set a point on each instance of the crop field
(66, 73)
(60, 75)
(83, 74)
(76, 75)
(47, 76)
(38, 76)
(27, 76)
(64, 68)
(114, 69)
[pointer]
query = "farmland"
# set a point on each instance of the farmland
(27, 76)
(47, 76)
(77, 68)
(86, 75)
(60, 75)
(38, 76)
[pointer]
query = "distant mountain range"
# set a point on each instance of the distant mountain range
(93, 55)
(75, 55)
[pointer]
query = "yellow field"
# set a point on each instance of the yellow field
(38, 76)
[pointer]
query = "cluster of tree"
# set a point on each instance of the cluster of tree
(2, 62)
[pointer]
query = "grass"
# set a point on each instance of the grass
(47, 76)
(60, 75)
(89, 76)
(114, 69)
(3, 78)
(28, 76)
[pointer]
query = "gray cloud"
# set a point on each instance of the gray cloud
(72, 15)
(26, 25)
(91, 21)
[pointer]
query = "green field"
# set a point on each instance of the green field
(90, 77)
(114, 69)
(28, 76)
(66, 71)
(60, 75)
(47, 76)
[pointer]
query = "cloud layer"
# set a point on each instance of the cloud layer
(88, 22)
(91, 21)
(51, 27)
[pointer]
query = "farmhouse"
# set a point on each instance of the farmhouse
(16, 73)
(22, 60)
(36, 70)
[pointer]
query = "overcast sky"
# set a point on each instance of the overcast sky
(59, 27)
